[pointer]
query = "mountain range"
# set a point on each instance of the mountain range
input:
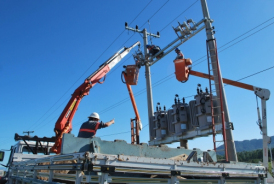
(247, 145)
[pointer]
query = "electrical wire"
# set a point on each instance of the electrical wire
(140, 12)
(90, 66)
(148, 19)
(203, 56)
(247, 32)
(156, 12)
(39, 124)
(143, 90)
(237, 41)
(247, 36)
(105, 51)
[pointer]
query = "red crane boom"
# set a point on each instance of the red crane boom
(64, 122)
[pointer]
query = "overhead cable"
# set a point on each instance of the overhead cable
(89, 67)
(237, 41)
(156, 12)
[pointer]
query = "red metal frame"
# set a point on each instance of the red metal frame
(135, 138)
(226, 81)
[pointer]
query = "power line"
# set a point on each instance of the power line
(107, 49)
(145, 23)
(141, 12)
(89, 67)
(117, 104)
(38, 124)
(156, 12)
(255, 73)
(247, 36)
(239, 40)
(148, 19)
(247, 32)
(155, 84)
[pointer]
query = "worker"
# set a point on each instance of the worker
(180, 55)
(88, 129)
(154, 50)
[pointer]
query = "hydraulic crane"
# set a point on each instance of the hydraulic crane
(64, 122)
(182, 74)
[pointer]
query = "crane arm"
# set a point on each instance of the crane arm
(63, 124)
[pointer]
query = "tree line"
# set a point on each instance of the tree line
(250, 156)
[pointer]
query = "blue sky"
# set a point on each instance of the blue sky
(48, 48)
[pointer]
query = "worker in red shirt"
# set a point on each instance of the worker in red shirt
(88, 129)
(180, 55)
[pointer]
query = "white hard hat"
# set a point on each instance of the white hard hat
(94, 115)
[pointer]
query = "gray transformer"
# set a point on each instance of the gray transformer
(176, 123)
(200, 111)
(160, 122)
(178, 118)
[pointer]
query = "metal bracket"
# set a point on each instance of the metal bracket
(192, 154)
(107, 169)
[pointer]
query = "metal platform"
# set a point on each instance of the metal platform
(103, 168)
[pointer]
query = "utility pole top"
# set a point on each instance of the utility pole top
(136, 29)
(28, 132)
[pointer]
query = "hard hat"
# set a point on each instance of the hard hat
(94, 115)
(177, 49)
(147, 46)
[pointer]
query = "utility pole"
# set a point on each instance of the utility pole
(28, 132)
(232, 156)
(148, 77)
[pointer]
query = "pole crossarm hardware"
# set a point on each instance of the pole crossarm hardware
(28, 132)
(141, 31)
(186, 32)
